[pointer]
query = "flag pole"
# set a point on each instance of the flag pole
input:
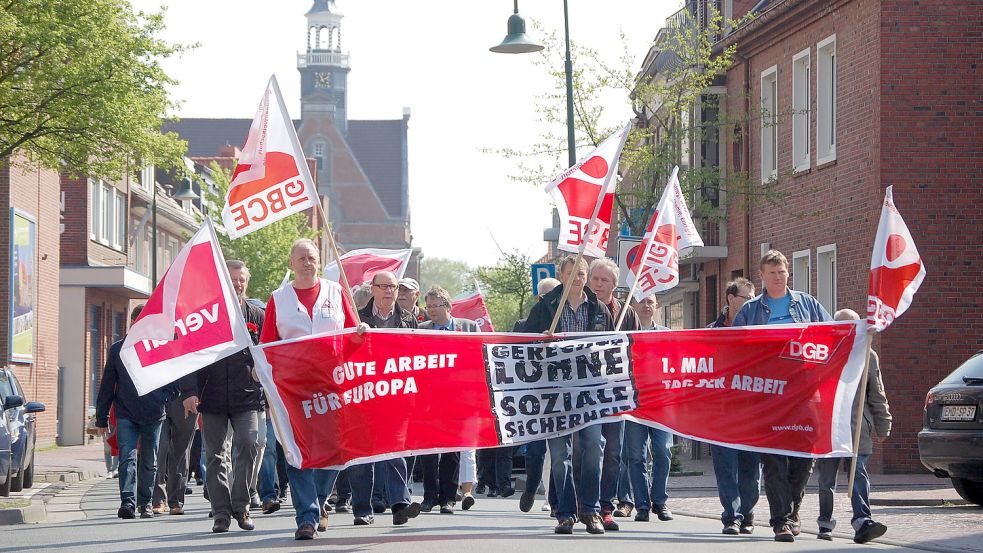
(341, 268)
(566, 286)
(859, 413)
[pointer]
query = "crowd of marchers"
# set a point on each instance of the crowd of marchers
(595, 476)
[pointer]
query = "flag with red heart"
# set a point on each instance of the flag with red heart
(896, 269)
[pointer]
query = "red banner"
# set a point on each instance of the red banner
(343, 399)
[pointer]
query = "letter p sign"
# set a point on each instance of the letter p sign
(541, 271)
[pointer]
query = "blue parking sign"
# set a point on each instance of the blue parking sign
(541, 271)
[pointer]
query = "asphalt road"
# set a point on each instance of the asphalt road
(493, 525)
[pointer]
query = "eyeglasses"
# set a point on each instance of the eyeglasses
(748, 298)
(390, 287)
(438, 306)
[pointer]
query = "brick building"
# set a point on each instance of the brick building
(834, 100)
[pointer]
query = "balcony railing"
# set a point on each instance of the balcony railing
(337, 59)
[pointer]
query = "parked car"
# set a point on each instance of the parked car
(951, 442)
(18, 421)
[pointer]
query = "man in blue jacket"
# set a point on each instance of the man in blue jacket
(138, 418)
(785, 476)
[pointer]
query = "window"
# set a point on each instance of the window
(145, 178)
(769, 124)
(95, 200)
(95, 351)
(119, 237)
(801, 269)
(106, 222)
(800, 110)
(319, 155)
(109, 215)
(826, 101)
(826, 277)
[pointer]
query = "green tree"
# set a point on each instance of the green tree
(264, 251)
(507, 287)
(453, 276)
(82, 87)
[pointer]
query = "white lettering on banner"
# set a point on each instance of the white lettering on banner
(808, 351)
(543, 389)
(578, 227)
(878, 313)
(272, 200)
(321, 403)
(192, 323)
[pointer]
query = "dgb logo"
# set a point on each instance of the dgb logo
(808, 351)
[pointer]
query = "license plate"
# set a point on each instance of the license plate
(958, 412)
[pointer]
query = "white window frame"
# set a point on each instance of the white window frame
(120, 215)
(801, 109)
(802, 272)
(95, 208)
(826, 83)
(769, 124)
(824, 274)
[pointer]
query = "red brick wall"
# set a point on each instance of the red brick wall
(75, 216)
(111, 304)
(931, 69)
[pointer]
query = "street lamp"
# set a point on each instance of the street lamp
(516, 42)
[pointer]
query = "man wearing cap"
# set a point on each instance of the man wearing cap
(407, 297)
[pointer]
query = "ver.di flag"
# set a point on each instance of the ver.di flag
(896, 269)
(584, 197)
(473, 307)
(669, 232)
(192, 319)
(271, 180)
(361, 265)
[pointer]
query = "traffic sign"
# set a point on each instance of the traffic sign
(541, 271)
(628, 250)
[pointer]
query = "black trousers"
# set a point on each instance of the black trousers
(495, 467)
(440, 475)
(785, 484)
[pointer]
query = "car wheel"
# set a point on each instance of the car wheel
(29, 475)
(5, 488)
(17, 482)
(969, 490)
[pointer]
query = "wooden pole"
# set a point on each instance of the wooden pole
(346, 289)
(566, 289)
(860, 415)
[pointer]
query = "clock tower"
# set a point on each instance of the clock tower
(324, 67)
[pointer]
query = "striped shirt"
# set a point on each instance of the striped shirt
(574, 321)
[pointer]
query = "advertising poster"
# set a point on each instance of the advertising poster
(23, 280)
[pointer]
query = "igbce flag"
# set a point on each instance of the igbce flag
(340, 399)
(271, 180)
(669, 232)
(191, 320)
(473, 307)
(896, 269)
(584, 197)
(361, 265)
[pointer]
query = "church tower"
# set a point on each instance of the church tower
(324, 67)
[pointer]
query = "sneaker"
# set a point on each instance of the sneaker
(221, 524)
(322, 522)
(784, 534)
(526, 501)
(607, 520)
(364, 520)
(244, 521)
(446, 509)
(594, 524)
(160, 509)
(747, 528)
(546, 507)
(177, 510)
(147, 512)
(870, 530)
(624, 510)
(642, 515)
(565, 526)
(492, 492)
(825, 534)
(403, 515)
(507, 491)
(663, 512)
(305, 532)
(254, 502)
(270, 506)
(127, 512)
(343, 506)
(732, 529)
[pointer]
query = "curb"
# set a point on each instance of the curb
(33, 513)
(36, 511)
(886, 502)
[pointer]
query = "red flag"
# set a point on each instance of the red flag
(584, 197)
(192, 319)
(361, 265)
(896, 269)
(473, 307)
(271, 180)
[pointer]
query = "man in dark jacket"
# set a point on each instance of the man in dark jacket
(582, 312)
(382, 311)
(138, 419)
(226, 393)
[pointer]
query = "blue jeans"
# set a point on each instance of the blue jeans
(614, 433)
(738, 483)
(624, 482)
(637, 437)
(392, 478)
(828, 470)
(587, 453)
(267, 468)
(309, 490)
(136, 486)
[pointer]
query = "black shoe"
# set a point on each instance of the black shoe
(459, 497)
(869, 531)
(426, 506)
(199, 482)
(784, 534)
(526, 501)
(480, 488)
(204, 493)
(343, 507)
(747, 527)
(305, 532)
(403, 515)
(221, 524)
(507, 491)
(663, 512)
(492, 492)
(825, 534)
(146, 511)
(594, 524)
(333, 499)
(468, 502)
(378, 508)
(564, 526)
(127, 512)
(364, 520)
(446, 509)
(642, 515)
(270, 506)
(188, 490)
(244, 521)
(732, 529)
(254, 502)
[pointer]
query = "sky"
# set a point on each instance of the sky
(433, 58)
